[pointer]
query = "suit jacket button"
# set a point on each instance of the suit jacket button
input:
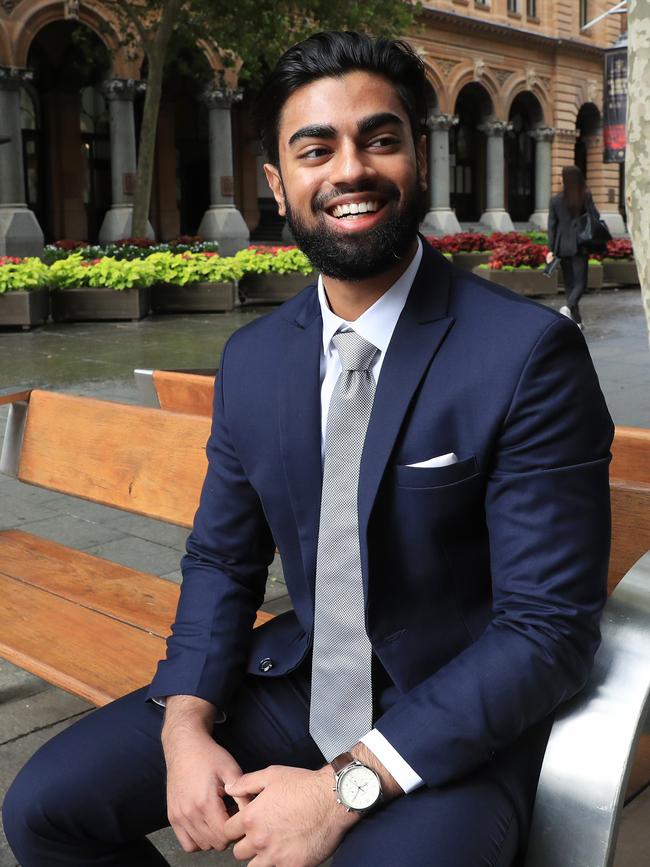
(265, 665)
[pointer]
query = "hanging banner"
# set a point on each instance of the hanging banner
(615, 105)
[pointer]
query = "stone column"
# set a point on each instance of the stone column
(495, 216)
(20, 234)
(440, 219)
(120, 93)
(222, 221)
(543, 138)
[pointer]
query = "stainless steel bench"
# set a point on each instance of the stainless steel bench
(594, 738)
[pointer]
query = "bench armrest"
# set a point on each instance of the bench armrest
(13, 438)
(594, 739)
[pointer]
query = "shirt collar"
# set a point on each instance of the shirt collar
(378, 322)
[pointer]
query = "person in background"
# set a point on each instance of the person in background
(563, 212)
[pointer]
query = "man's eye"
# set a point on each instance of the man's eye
(313, 153)
(383, 141)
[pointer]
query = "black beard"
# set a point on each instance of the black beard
(365, 254)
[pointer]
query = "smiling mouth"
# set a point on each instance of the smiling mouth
(354, 210)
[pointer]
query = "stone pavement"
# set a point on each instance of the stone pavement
(98, 359)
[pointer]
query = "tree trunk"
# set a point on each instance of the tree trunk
(156, 56)
(637, 156)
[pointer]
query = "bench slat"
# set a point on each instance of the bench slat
(82, 651)
(184, 392)
(630, 527)
(631, 455)
(135, 598)
(142, 460)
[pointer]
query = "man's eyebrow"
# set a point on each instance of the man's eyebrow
(314, 131)
(374, 121)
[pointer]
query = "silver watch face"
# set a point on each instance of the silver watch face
(359, 788)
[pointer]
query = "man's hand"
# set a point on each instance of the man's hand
(197, 771)
(293, 821)
(549, 257)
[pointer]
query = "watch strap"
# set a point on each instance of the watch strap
(342, 761)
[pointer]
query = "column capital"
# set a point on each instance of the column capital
(542, 133)
(442, 121)
(13, 77)
(221, 97)
(123, 88)
(496, 128)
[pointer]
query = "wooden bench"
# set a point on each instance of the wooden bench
(93, 627)
(97, 629)
(189, 391)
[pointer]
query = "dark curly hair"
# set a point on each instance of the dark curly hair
(333, 54)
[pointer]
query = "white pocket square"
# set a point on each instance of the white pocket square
(439, 461)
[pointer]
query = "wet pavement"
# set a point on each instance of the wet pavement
(98, 359)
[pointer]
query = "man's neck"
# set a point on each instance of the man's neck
(349, 300)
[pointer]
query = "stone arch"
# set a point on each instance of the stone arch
(519, 86)
(466, 75)
(439, 100)
(588, 126)
(5, 46)
(35, 16)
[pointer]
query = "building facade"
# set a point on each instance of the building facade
(517, 93)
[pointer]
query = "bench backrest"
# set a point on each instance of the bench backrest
(142, 460)
(631, 455)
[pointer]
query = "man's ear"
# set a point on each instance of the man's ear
(423, 162)
(277, 188)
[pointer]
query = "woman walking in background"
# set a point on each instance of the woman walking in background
(564, 211)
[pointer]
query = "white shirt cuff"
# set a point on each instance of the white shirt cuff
(401, 771)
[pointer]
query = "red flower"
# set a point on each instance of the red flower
(66, 244)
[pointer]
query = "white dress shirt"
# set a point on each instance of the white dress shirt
(376, 325)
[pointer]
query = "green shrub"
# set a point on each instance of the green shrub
(118, 274)
(273, 260)
(21, 274)
(183, 268)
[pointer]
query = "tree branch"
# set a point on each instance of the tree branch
(128, 10)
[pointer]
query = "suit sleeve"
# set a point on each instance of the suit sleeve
(548, 519)
(224, 575)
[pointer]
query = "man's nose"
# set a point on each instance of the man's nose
(349, 166)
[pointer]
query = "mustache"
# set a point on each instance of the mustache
(385, 190)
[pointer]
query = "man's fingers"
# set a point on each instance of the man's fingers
(234, 828)
(247, 784)
(187, 843)
(243, 850)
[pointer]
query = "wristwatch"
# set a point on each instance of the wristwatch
(357, 786)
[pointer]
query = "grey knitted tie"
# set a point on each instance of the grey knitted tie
(341, 684)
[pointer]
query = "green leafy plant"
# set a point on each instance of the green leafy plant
(117, 274)
(183, 268)
(273, 260)
(18, 275)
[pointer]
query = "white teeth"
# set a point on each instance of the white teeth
(351, 208)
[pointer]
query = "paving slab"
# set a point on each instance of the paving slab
(138, 554)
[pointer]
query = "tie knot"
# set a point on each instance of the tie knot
(355, 352)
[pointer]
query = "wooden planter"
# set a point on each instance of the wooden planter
(89, 304)
(260, 288)
(524, 281)
(622, 272)
(25, 308)
(201, 297)
(595, 277)
(469, 261)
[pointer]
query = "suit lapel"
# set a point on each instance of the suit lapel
(300, 426)
(421, 328)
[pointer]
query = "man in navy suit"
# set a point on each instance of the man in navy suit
(483, 537)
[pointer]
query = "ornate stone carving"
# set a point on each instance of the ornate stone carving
(531, 78)
(545, 83)
(71, 9)
(567, 133)
(442, 121)
(542, 133)
(495, 127)
(501, 75)
(123, 88)
(12, 76)
(446, 65)
(592, 90)
(479, 69)
(9, 5)
(222, 97)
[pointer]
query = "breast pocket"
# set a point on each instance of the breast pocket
(436, 477)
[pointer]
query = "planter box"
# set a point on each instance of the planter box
(25, 308)
(622, 273)
(469, 261)
(526, 281)
(193, 298)
(88, 304)
(595, 277)
(273, 287)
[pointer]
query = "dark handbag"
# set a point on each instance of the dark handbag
(592, 233)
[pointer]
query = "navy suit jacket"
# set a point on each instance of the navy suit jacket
(484, 580)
